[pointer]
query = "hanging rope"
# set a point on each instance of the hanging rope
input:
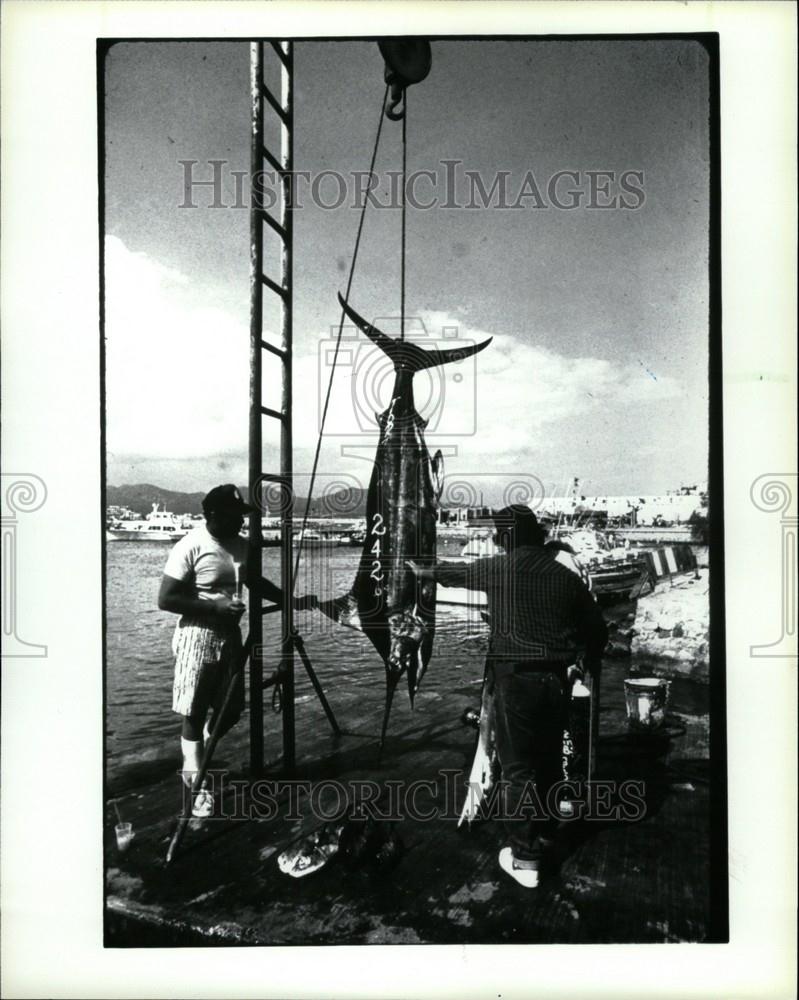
(338, 342)
(402, 251)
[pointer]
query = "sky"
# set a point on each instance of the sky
(599, 317)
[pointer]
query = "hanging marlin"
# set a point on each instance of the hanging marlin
(387, 602)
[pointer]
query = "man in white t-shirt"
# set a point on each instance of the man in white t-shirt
(202, 583)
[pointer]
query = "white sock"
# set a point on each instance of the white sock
(192, 752)
(207, 731)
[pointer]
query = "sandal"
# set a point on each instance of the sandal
(312, 853)
(203, 806)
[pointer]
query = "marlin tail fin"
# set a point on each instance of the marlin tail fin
(407, 354)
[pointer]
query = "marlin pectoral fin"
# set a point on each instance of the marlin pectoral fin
(391, 685)
(422, 670)
(416, 671)
(437, 471)
(412, 680)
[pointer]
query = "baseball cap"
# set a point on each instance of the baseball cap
(225, 499)
(519, 519)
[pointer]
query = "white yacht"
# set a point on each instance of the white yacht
(158, 526)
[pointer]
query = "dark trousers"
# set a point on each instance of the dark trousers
(530, 717)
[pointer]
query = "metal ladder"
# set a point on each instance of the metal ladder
(290, 641)
(260, 95)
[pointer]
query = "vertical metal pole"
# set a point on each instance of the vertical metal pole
(255, 471)
(287, 519)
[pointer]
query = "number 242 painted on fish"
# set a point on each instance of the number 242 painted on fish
(378, 529)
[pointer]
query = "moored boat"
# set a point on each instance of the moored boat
(158, 526)
(613, 572)
(610, 572)
(313, 539)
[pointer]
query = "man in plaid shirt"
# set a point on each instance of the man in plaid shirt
(542, 618)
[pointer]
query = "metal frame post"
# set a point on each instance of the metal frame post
(284, 109)
(255, 569)
(286, 471)
(289, 640)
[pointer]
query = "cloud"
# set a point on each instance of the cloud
(499, 399)
(522, 389)
(176, 366)
(177, 376)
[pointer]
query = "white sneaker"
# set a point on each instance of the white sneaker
(527, 877)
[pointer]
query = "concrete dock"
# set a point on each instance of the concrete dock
(616, 881)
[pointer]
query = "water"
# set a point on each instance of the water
(143, 732)
(141, 729)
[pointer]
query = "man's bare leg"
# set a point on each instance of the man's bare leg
(191, 743)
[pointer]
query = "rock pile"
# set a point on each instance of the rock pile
(671, 627)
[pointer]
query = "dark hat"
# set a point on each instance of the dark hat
(521, 521)
(515, 514)
(225, 500)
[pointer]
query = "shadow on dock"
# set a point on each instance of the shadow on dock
(615, 881)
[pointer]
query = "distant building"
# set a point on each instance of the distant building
(672, 508)
(676, 507)
(114, 512)
(463, 515)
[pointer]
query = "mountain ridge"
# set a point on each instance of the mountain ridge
(141, 496)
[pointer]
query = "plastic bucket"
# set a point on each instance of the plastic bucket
(646, 699)
(124, 835)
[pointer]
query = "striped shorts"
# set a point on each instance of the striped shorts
(205, 660)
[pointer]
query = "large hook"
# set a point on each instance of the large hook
(396, 97)
(408, 61)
